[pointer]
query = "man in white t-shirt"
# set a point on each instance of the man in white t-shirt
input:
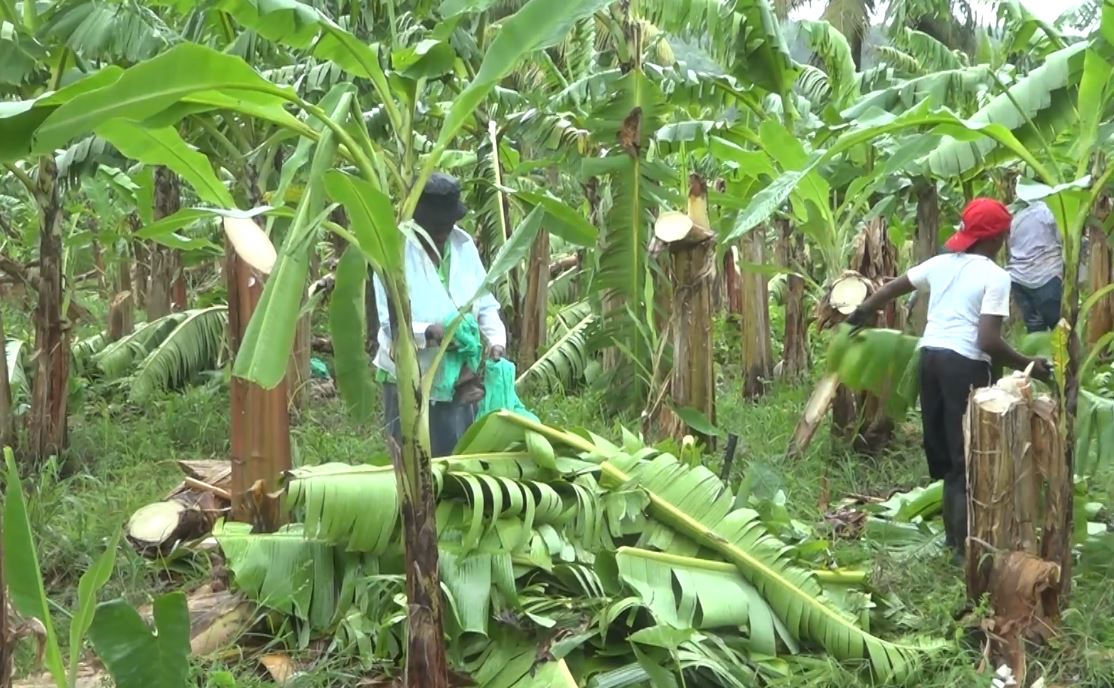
(969, 298)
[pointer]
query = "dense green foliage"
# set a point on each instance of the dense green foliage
(564, 557)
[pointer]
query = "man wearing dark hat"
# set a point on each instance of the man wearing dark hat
(969, 298)
(443, 273)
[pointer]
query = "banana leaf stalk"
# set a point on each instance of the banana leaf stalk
(692, 509)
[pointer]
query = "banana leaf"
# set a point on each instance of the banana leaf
(882, 362)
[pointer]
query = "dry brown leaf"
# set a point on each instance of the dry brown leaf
(630, 135)
(280, 666)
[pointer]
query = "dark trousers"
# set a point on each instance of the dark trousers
(447, 421)
(947, 379)
(1040, 307)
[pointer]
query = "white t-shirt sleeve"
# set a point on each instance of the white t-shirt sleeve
(996, 298)
(920, 275)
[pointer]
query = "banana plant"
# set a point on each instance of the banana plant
(1081, 74)
(45, 41)
(121, 637)
(192, 75)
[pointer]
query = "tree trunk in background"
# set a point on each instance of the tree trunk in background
(733, 285)
(531, 337)
(691, 314)
(1100, 272)
(166, 279)
(862, 417)
(98, 261)
(179, 291)
(7, 420)
(298, 370)
(758, 358)
(794, 358)
(260, 423)
(692, 382)
(121, 310)
(52, 347)
(140, 257)
(928, 233)
(535, 302)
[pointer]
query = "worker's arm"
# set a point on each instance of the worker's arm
(864, 314)
(993, 344)
(992, 314)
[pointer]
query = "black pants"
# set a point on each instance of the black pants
(947, 379)
(1040, 307)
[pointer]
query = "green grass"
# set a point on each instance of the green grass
(122, 458)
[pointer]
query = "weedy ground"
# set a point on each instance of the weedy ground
(124, 457)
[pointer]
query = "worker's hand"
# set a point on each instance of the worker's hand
(1042, 369)
(859, 319)
(496, 353)
(434, 334)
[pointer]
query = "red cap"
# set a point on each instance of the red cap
(983, 218)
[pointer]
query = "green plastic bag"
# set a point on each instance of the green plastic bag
(499, 391)
(467, 352)
(319, 368)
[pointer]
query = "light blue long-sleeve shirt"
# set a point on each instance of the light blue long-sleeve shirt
(431, 302)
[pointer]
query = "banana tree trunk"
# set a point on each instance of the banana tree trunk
(121, 311)
(531, 336)
(691, 310)
(52, 347)
(260, 423)
(1015, 466)
(426, 663)
(1100, 272)
(794, 359)
(166, 279)
(298, 369)
(1047, 454)
(758, 358)
(98, 262)
(733, 285)
(692, 382)
(7, 419)
(140, 257)
(862, 417)
(928, 232)
(535, 302)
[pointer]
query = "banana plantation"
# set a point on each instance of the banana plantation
(525, 344)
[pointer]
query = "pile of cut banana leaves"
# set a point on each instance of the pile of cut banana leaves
(566, 560)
